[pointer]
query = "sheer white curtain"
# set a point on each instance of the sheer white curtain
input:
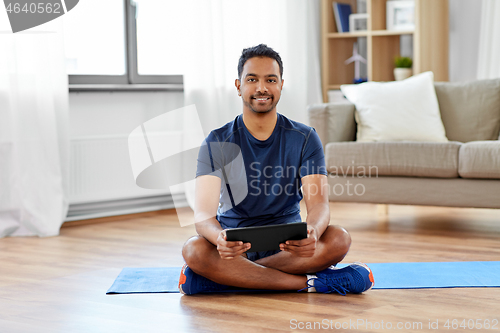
(218, 30)
(489, 41)
(33, 131)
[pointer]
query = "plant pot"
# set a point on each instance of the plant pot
(402, 73)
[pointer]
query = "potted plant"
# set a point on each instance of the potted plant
(403, 68)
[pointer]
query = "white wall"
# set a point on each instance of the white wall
(465, 16)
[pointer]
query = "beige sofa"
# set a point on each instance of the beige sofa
(464, 172)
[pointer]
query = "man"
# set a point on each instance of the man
(271, 145)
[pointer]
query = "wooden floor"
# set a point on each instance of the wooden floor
(58, 284)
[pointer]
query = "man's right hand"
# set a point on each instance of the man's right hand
(230, 250)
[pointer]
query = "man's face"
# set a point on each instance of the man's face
(260, 84)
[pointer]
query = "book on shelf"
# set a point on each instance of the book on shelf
(341, 11)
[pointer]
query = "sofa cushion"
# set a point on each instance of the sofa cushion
(479, 159)
(406, 110)
(413, 159)
(470, 110)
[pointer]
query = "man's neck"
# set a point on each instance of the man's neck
(260, 125)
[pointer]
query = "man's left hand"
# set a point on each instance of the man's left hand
(304, 247)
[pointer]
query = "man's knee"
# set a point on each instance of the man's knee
(195, 251)
(337, 242)
(343, 238)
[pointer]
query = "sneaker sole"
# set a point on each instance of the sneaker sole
(182, 279)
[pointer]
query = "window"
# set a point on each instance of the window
(115, 42)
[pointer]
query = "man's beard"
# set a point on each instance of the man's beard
(249, 105)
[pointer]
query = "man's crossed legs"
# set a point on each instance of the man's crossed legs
(280, 271)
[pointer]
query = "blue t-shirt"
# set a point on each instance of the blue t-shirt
(261, 179)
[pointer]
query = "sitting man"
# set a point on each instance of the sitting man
(279, 157)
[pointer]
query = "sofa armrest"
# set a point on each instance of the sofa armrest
(334, 122)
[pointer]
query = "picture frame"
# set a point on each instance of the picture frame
(358, 22)
(400, 15)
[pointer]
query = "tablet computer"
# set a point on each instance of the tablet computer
(269, 237)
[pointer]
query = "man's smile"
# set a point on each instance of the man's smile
(262, 99)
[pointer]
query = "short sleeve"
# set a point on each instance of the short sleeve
(209, 161)
(313, 157)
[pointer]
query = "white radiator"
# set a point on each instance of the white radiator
(101, 180)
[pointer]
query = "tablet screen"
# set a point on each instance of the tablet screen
(269, 237)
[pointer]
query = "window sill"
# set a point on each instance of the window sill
(125, 87)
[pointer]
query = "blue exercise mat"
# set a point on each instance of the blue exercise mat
(415, 275)
(407, 275)
(146, 280)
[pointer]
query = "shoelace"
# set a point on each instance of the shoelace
(344, 284)
(332, 287)
(308, 285)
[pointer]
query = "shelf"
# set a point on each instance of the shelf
(369, 33)
(430, 43)
(391, 32)
(347, 34)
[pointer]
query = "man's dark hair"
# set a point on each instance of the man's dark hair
(261, 50)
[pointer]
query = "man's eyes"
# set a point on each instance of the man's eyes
(254, 80)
